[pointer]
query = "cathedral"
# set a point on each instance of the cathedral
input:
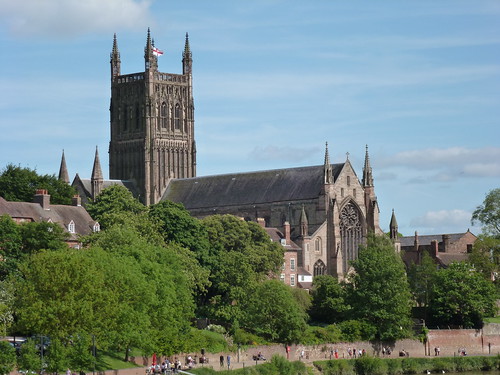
(326, 210)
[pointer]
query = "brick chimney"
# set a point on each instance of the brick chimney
(434, 248)
(42, 197)
(261, 221)
(446, 242)
(286, 230)
(76, 200)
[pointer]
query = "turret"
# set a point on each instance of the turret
(328, 174)
(151, 61)
(96, 180)
(367, 171)
(115, 60)
(394, 232)
(63, 170)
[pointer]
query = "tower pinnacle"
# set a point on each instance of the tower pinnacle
(187, 58)
(328, 174)
(63, 170)
(115, 59)
(96, 180)
(367, 171)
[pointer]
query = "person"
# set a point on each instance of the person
(68, 372)
(221, 359)
(228, 361)
(302, 354)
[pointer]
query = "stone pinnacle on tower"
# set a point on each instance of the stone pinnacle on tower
(187, 58)
(97, 179)
(367, 171)
(115, 60)
(63, 170)
(393, 226)
(328, 174)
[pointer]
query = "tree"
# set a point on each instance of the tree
(328, 300)
(378, 289)
(485, 255)
(20, 184)
(461, 297)
(29, 359)
(271, 311)
(80, 354)
(488, 213)
(113, 200)
(10, 245)
(7, 358)
(6, 315)
(56, 357)
(421, 279)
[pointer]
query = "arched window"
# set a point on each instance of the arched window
(96, 227)
(318, 245)
(71, 227)
(163, 115)
(319, 268)
(351, 233)
(177, 117)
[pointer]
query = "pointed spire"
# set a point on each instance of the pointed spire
(187, 58)
(96, 170)
(393, 227)
(63, 170)
(327, 172)
(367, 171)
(304, 225)
(151, 61)
(115, 59)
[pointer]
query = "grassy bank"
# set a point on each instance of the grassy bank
(397, 366)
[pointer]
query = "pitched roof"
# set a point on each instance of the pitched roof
(238, 189)
(427, 239)
(276, 236)
(86, 183)
(57, 213)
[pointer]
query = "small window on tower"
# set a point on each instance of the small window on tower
(348, 180)
(177, 117)
(163, 115)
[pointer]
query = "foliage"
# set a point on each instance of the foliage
(485, 255)
(29, 360)
(379, 291)
(303, 298)
(357, 330)
(488, 213)
(80, 352)
(6, 313)
(315, 335)
(240, 256)
(112, 201)
(272, 312)
(7, 358)
(20, 184)
(56, 357)
(461, 297)
(367, 365)
(328, 300)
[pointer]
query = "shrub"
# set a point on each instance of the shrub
(394, 366)
(356, 330)
(370, 366)
(411, 366)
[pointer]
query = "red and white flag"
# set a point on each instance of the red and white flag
(157, 52)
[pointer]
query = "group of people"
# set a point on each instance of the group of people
(355, 353)
(166, 367)
(386, 351)
(437, 351)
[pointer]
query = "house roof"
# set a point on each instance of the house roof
(239, 189)
(427, 239)
(56, 213)
(276, 236)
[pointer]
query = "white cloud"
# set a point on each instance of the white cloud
(443, 219)
(64, 18)
(450, 162)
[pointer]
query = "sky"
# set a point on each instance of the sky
(416, 81)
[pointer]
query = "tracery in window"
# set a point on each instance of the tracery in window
(350, 233)
(163, 115)
(319, 268)
(177, 117)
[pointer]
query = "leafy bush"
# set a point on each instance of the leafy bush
(367, 365)
(394, 367)
(243, 337)
(356, 330)
(411, 366)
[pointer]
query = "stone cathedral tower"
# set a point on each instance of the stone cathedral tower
(152, 124)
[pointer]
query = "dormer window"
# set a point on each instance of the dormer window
(96, 227)
(71, 227)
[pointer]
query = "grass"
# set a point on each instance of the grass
(495, 319)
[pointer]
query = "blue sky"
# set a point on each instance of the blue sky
(418, 81)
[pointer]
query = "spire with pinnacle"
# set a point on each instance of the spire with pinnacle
(304, 225)
(393, 226)
(96, 180)
(115, 60)
(367, 171)
(328, 174)
(63, 170)
(187, 58)
(151, 61)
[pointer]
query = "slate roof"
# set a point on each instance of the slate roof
(427, 239)
(86, 183)
(57, 213)
(276, 235)
(239, 189)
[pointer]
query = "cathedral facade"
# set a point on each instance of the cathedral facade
(327, 210)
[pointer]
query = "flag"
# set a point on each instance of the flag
(157, 52)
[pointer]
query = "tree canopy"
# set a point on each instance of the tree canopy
(488, 213)
(329, 303)
(378, 290)
(19, 184)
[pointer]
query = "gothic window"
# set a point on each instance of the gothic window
(318, 245)
(163, 115)
(96, 227)
(177, 117)
(351, 233)
(125, 117)
(319, 268)
(71, 227)
(137, 117)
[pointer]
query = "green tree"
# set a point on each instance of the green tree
(113, 201)
(80, 353)
(29, 359)
(20, 184)
(485, 255)
(328, 300)
(421, 279)
(7, 358)
(378, 289)
(56, 357)
(461, 297)
(6, 300)
(10, 245)
(488, 213)
(271, 311)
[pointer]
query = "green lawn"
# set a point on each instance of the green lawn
(495, 319)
